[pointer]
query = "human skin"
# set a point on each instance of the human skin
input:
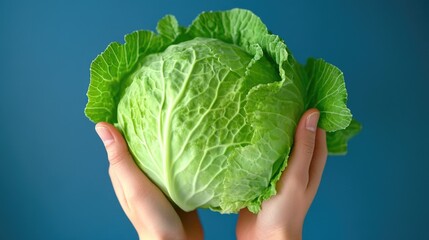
(281, 217)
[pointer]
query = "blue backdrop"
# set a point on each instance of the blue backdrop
(53, 170)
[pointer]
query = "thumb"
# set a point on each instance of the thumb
(116, 148)
(122, 170)
(126, 176)
(303, 149)
(145, 204)
(128, 180)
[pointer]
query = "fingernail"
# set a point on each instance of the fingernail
(104, 134)
(311, 123)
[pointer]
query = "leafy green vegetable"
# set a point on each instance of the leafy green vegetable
(209, 111)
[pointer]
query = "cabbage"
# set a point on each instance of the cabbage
(209, 111)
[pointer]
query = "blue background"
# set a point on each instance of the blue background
(53, 170)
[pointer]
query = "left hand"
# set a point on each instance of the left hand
(150, 212)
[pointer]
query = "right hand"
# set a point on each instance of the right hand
(282, 216)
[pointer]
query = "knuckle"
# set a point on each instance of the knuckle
(310, 141)
(298, 181)
(135, 195)
(115, 155)
(308, 147)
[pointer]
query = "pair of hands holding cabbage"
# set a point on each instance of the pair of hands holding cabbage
(281, 217)
(208, 112)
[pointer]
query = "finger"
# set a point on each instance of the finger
(127, 178)
(304, 143)
(116, 147)
(144, 203)
(121, 162)
(318, 162)
(245, 223)
(191, 224)
(119, 191)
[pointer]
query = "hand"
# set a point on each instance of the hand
(282, 216)
(145, 205)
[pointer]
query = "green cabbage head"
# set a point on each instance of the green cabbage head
(209, 111)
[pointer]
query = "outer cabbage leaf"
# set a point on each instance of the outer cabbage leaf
(110, 71)
(327, 92)
(337, 141)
